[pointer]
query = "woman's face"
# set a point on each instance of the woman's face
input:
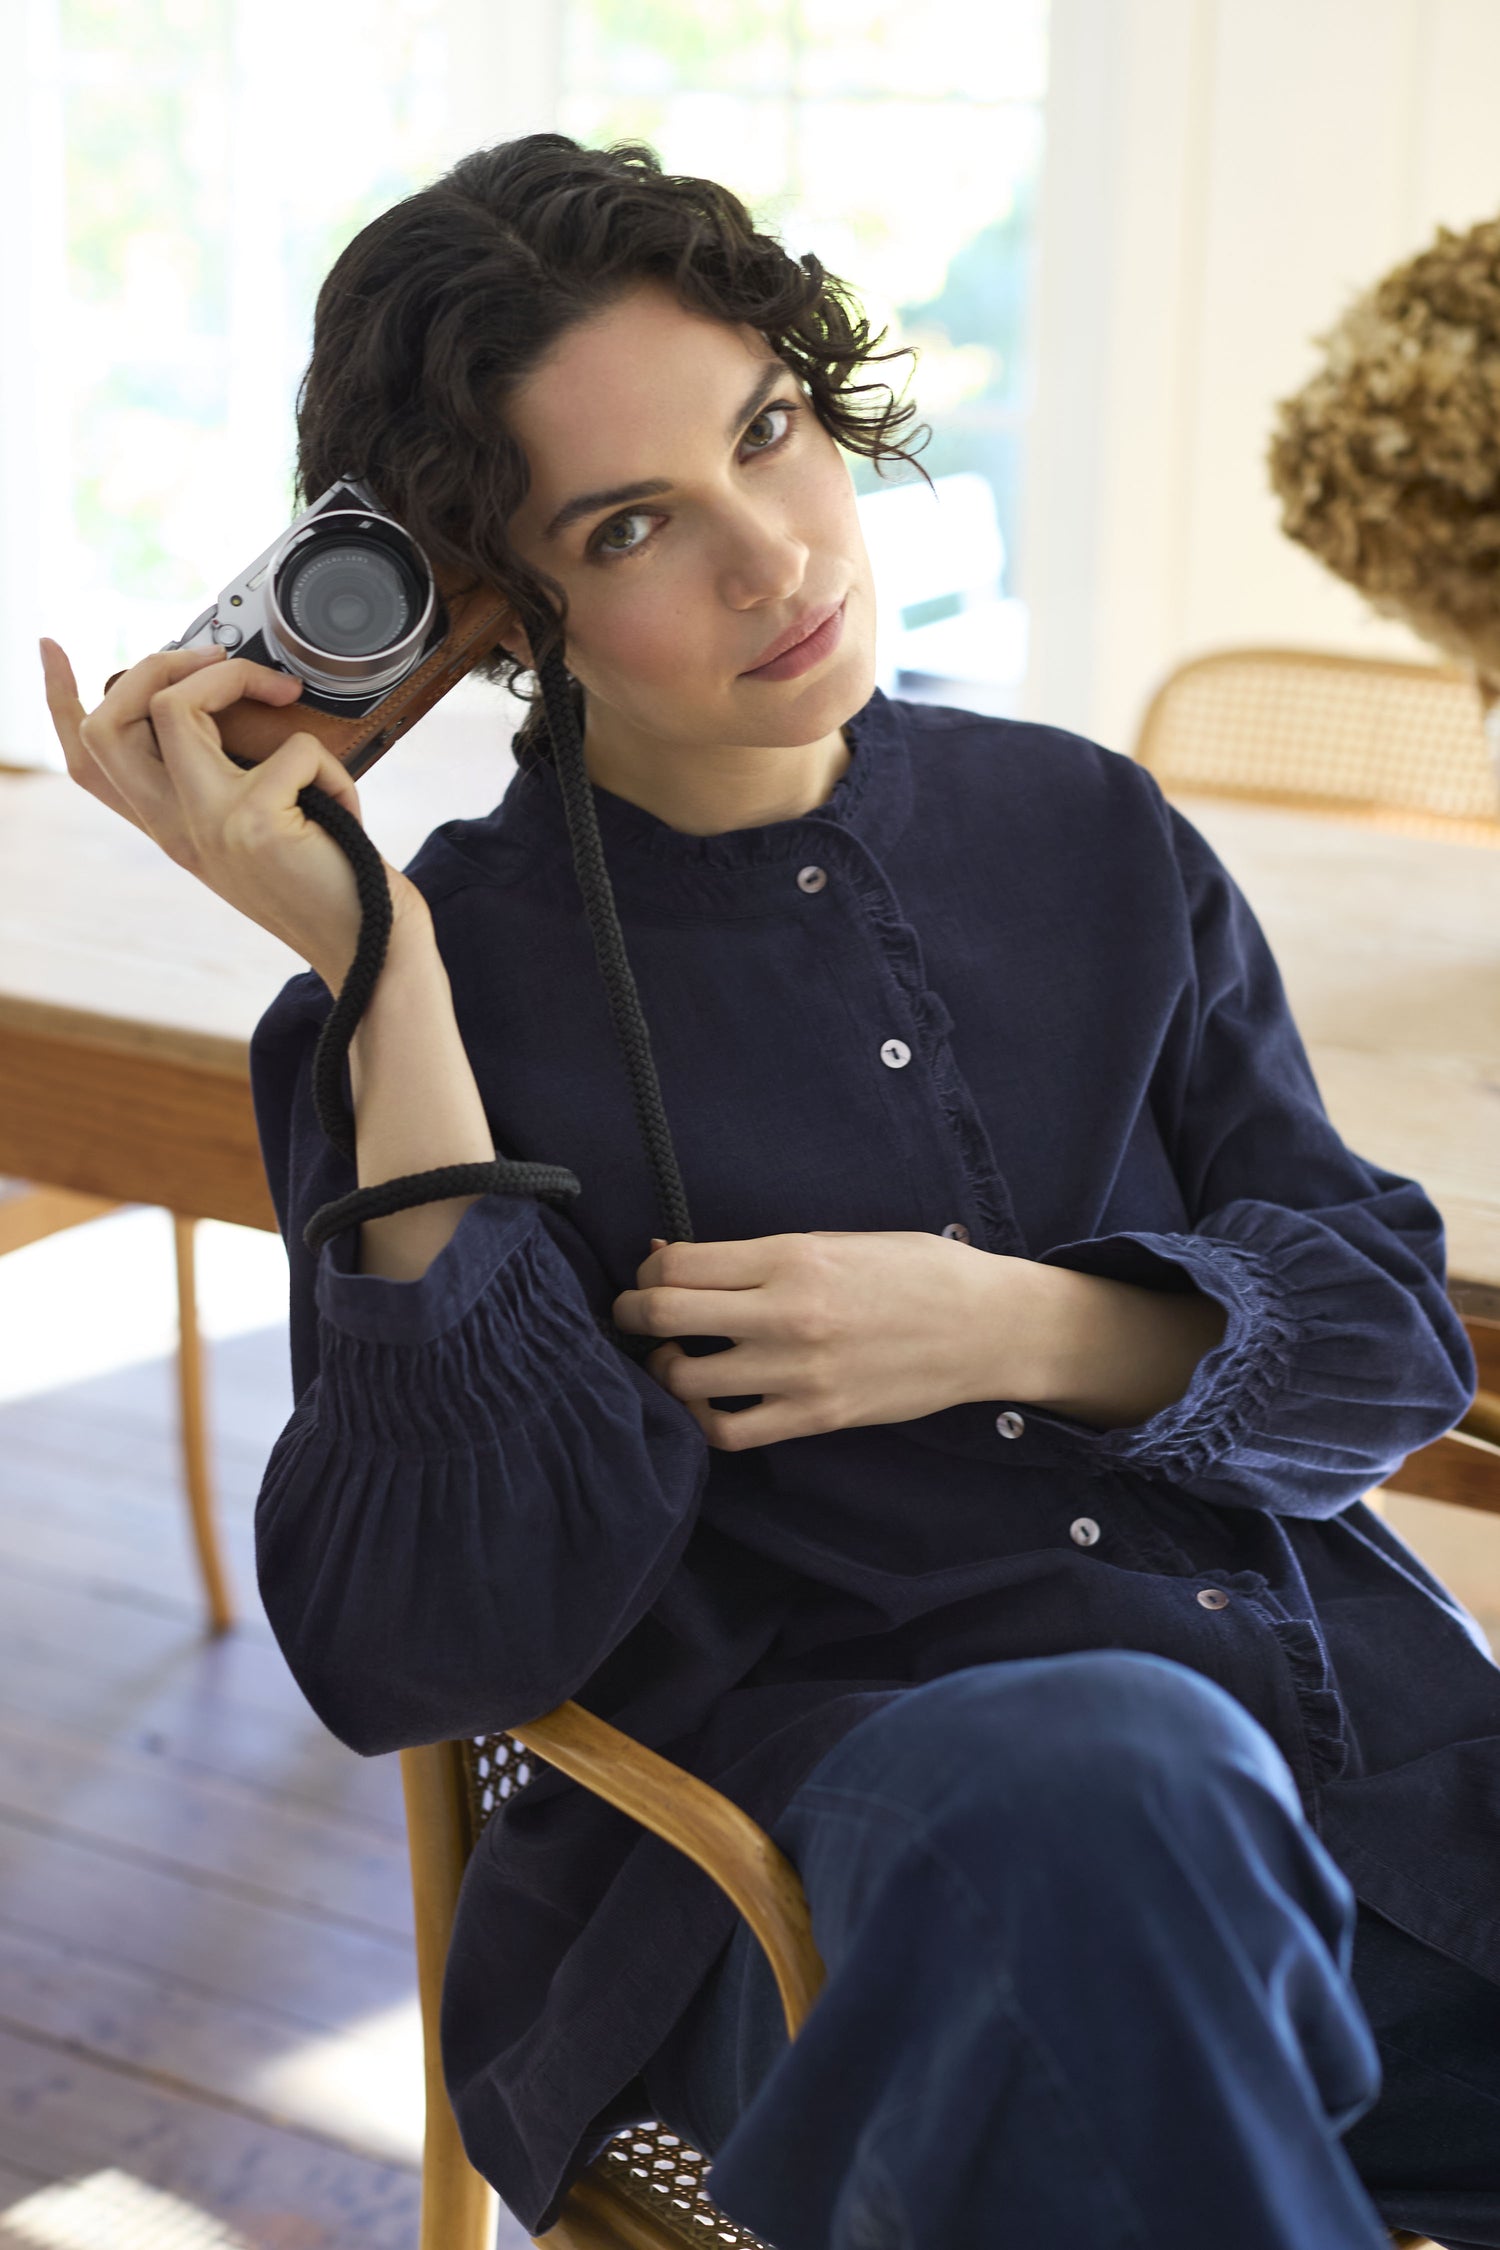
(676, 595)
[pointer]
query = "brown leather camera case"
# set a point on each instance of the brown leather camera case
(253, 730)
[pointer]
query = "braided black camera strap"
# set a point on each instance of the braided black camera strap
(503, 1176)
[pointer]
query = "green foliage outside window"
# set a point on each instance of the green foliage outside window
(899, 142)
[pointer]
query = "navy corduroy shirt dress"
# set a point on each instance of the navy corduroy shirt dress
(995, 986)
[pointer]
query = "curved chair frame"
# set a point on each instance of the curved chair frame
(615, 2205)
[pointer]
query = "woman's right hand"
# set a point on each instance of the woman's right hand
(152, 753)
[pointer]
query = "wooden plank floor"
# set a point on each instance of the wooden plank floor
(208, 2029)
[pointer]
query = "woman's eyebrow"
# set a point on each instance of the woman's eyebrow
(588, 502)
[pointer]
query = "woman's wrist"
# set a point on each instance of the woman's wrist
(416, 1103)
(1109, 1353)
(411, 938)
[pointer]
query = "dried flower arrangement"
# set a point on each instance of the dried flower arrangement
(1387, 462)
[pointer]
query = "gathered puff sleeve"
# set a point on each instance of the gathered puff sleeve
(478, 1493)
(1341, 1352)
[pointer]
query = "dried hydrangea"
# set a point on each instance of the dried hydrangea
(1387, 462)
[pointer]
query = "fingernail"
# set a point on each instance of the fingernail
(658, 1242)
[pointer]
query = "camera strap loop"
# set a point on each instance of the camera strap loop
(504, 1176)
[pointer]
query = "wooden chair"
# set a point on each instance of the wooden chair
(28, 1214)
(1399, 745)
(644, 2190)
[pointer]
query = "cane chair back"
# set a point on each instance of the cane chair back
(1400, 745)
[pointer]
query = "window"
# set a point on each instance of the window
(195, 166)
(185, 172)
(902, 144)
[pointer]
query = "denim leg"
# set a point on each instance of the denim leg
(1088, 1985)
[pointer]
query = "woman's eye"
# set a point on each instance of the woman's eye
(602, 542)
(782, 406)
(616, 523)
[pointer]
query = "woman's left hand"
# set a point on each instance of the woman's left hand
(832, 1330)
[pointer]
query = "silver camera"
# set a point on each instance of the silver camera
(344, 600)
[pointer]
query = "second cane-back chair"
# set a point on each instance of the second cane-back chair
(1395, 744)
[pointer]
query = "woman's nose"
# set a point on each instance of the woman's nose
(762, 561)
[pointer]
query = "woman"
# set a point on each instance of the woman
(1013, 1569)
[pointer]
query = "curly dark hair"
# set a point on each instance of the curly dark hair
(439, 308)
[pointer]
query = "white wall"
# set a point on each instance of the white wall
(1221, 177)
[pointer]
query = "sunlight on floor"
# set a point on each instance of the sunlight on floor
(104, 1296)
(364, 2083)
(111, 2211)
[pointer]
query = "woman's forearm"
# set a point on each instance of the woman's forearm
(1110, 1353)
(416, 1104)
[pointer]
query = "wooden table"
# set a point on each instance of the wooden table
(1389, 946)
(128, 991)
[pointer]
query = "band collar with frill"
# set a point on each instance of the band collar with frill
(871, 799)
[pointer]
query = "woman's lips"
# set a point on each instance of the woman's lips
(806, 653)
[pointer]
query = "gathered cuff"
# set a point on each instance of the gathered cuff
(1234, 1384)
(479, 1344)
(379, 1310)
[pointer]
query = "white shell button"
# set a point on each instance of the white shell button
(1083, 1531)
(895, 1054)
(956, 1231)
(1008, 1424)
(1213, 1597)
(811, 878)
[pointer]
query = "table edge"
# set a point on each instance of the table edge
(80, 1027)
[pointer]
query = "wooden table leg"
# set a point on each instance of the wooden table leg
(190, 1395)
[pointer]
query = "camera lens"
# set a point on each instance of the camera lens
(350, 599)
(351, 603)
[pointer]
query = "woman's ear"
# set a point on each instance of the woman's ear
(511, 636)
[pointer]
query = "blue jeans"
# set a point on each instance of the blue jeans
(1093, 1984)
